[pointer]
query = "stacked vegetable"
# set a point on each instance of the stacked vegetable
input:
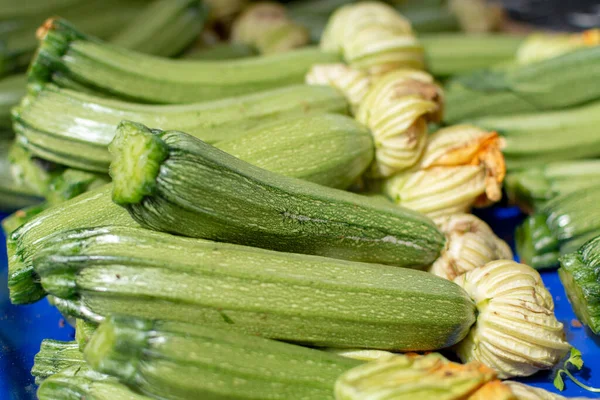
(262, 227)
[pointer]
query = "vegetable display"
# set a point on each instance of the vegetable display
(234, 199)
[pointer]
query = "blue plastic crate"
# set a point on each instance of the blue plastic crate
(22, 328)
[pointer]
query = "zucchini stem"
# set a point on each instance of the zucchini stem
(138, 153)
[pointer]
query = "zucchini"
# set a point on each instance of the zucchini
(580, 275)
(53, 357)
(221, 51)
(188, 187)
(21, 217)
(324, 302)
(554, 83)
(75, 128)
(163, 28)
(12, 89)
(83, 332)
(450, 54)
(563, 225)
(87, 61)
(56, 183)
(81, 382)
(90, 209)
(13, 195)
(181, 361)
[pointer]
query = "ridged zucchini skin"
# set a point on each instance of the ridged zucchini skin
(53, 357)
(75, 129)
(562, 226)
(319, 301)
(130, 75)
(20, 217)
(188, 187)
(182, 361)
(13, 196)
(81, 382)
(89, 209)
(580, 276)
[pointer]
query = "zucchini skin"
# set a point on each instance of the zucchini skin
(13, 196)
(181, 361)
(116, 71)
(53, 357)
(12, 89)
(89, 209)
(188, 187)
(319, 301)
(75, 129)
(563, 225)
(580, 276)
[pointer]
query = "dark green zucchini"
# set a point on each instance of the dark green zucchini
(97, 272)
(580, 275)
(188, 187)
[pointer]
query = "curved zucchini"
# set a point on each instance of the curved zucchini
(188, 187)
(580, 275)
(75, 128)
(324, 302)
(127, 74)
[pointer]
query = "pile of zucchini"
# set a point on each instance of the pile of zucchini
(285, 212)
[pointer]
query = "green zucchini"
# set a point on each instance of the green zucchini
(53, 357)
(163, 28)
(21, 217)
(81, 382)
(90, 209)
(83, 332)
(553, 83)
(127, 74)
(563, 225)
(13, 196)
(580, 275)
(221, 51)
(188, 187)
(56, 183)
(324, 302)
(533, 187)
(75, 128)
(12, 89)
(182, 361)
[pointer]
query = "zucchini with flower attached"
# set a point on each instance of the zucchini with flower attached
(324, 302)
(75, 128)
(188, 187)
(561, 226)
(580, 276)
(53, 357)
(462, 166)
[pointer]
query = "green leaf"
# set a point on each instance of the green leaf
(558, 381)
(575, 358)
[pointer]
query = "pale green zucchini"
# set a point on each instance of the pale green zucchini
(21, 217)
(183, 361)
(53, 357)
(83, 332)
(580, 276)
(81, 382)
(221, 51)
(75, 128)
(127, 74)
(319, 301)
(554, 83)
(188, 187)
(93, 208)
(13, 195)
